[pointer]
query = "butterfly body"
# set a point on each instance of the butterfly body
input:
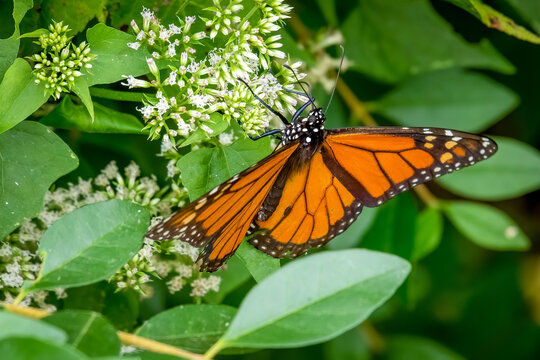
(315, 185)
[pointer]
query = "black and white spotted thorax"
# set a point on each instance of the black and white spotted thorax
(307, 130)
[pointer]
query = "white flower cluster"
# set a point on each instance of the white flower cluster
(198, 78)
(60, 61)
(19, 260)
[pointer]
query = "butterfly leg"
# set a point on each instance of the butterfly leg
(275, 112)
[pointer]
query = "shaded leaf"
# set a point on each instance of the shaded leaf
(394, 228)
(32, 157)
(85, 330)
(409, 347)
(513, 171)
(258, 263)
(350, 345)
(394, 39)
(22, 348)
(486, 226)
(496, 20)
(202, 170)
(305, 303)
(12, 325)
(452, 99)
(190, 327)
(75, 14)
(429, 228)
(80, 88)
(68, 115)
(90, 243)
(234, 276)
(21, 96)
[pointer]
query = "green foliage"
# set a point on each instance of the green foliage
(67, 248)
(101, 246)
(32, 157)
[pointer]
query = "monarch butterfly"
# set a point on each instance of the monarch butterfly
(315, 185)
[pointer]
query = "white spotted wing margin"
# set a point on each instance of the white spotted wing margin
(219, 220)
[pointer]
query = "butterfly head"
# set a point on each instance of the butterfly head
(307, 130)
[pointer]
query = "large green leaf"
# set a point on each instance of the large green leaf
(68, 115)
(315, 298)
(394, 228)
(202, 170)
(496, 20)
(22, 348)
(114, 57)
(21, 96)
(190, 327)
(18, 326)
(10, 47)
(513, 171)
(91, 244)
(32, 157)
(452, 99)
(393, 39)
(85, 330)
(486, 226)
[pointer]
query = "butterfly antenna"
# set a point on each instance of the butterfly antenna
(337, 77)
(308, 95)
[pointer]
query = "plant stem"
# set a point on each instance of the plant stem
(219, 345)
(126, 338)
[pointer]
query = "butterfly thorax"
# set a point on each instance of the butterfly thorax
(309, 131)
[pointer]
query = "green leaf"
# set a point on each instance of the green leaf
(393, 39)
(216, 123)
(91, 244)
(22, 348)
(453, 99)
(528, 10)
(18, 326)
(258, 263)
(114, 57)
(32, 157)
(81, 89)
(496, 20)
(354, 233)
(394, 227)
(75, 14)
(315, 298)
(68, 115)
(10, 47)
(350, 345)
(85, 330)
(409, 347)
(21, 96)
(202, 170)
(328, 9)
(429, 228)
(513, 171)
(189, 327)
(486, 226)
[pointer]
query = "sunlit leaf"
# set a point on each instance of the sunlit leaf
(24, 348)
(91, 243)
(18, 326)
(258, 263)
(315, 298)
